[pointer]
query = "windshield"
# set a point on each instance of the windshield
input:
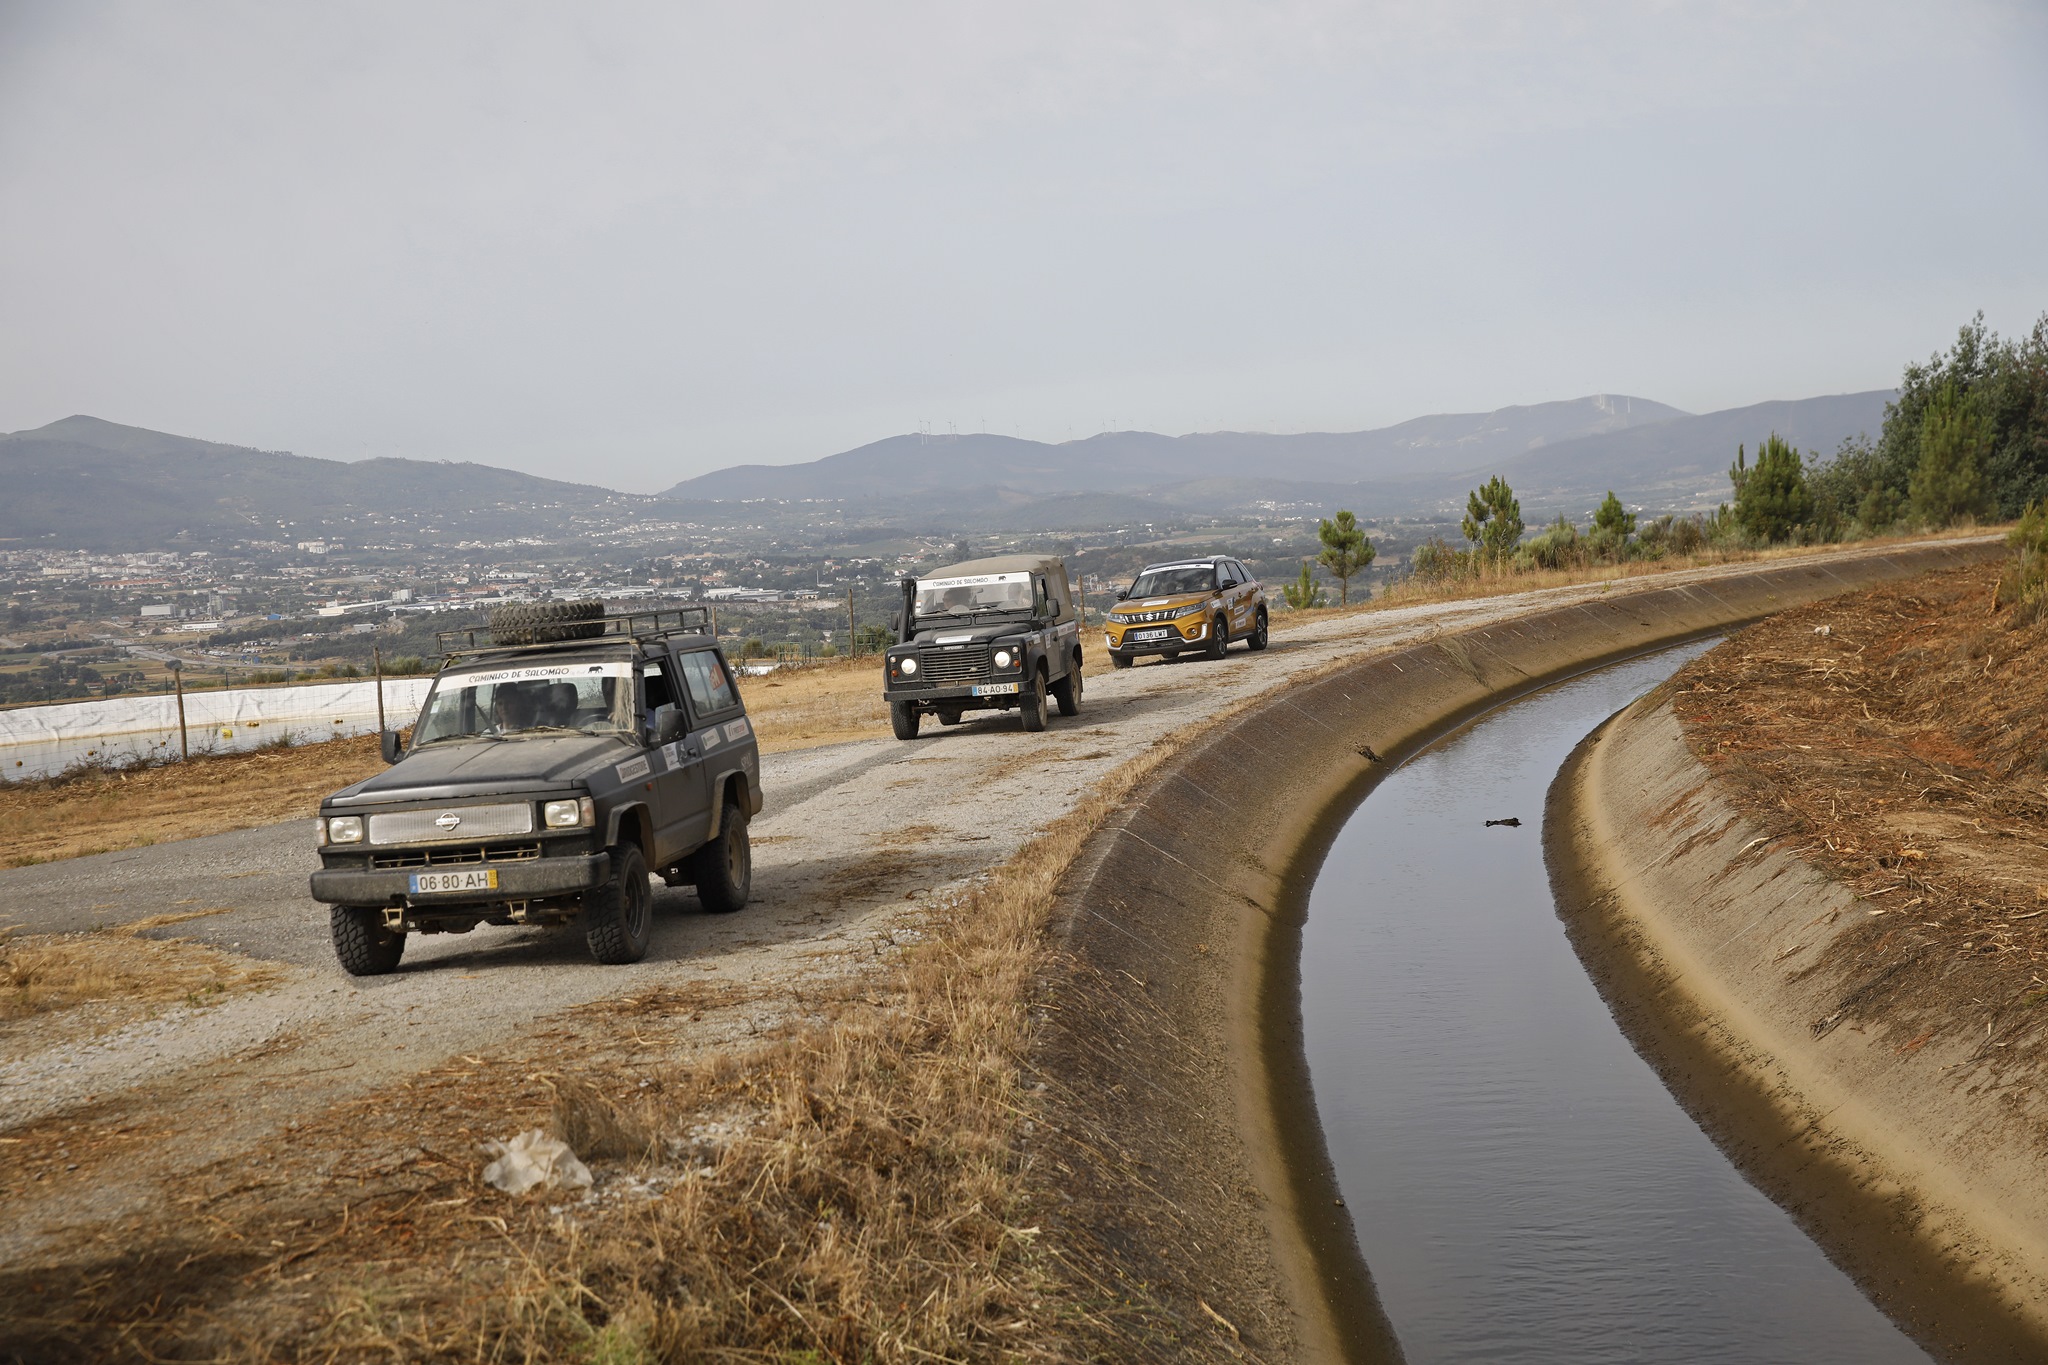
(980, 594)
(545, 699)
(1174, 580)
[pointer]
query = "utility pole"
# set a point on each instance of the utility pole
(852, 643)
(377, 659)
(178, 681)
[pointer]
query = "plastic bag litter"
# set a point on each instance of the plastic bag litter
(533, 1158)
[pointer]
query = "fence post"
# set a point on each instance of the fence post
(178, 680)
(377, 660)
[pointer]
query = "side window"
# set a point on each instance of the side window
(660, 692)
(1226, 573)
(710, 686)
(1040, 598)
(1244, 575)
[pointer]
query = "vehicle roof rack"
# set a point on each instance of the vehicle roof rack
(637, 627)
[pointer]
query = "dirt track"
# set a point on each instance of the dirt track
(854, 841)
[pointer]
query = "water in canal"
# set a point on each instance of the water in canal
(1523, 1186)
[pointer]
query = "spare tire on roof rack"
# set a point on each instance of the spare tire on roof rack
(539, 623)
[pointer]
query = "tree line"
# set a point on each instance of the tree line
(1965, 440)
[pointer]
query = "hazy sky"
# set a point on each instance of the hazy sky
(630, 243)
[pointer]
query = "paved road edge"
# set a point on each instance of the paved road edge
(1180, 926)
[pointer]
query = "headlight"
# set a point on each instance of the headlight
(1003, 658)
(573, 813)
(1195, 610)
(907, 666)
(344, 829)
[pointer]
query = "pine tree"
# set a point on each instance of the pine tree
(1948, 483)
(1493, 519)
(1346, 550)
(1771, 498)
(1305, 592)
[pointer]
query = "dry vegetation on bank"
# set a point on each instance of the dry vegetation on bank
(1897, 738)
(846, 1186)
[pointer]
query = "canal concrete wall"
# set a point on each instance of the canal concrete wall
(1918, 1175)
(1172, 1021)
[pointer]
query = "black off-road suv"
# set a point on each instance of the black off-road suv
(999, 633)
(548, 772)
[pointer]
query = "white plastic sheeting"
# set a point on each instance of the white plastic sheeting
(39, 740)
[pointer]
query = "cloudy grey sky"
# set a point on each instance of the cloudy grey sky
(630, 243)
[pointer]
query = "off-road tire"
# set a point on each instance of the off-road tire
(1219, 638)
(1031, 703)
(364, 945)
(903, 718)
(724, 868)
(1259, 634)
(1067, 692)
(539, 623)
(618, 918)
(1121, 661)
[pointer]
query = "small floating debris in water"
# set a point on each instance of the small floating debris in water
(1511, 822)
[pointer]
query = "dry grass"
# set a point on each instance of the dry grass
(95, 812)
(44, 973)
(872, 1207)
(849, 1187)
(1496, 582)
(1896, 738)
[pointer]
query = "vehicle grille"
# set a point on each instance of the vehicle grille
(1136, 617)
(953, 667)
(455, 855)
(478, 822)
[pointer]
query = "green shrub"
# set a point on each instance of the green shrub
(1434, 561)
(2024, 585)
(1304, 592)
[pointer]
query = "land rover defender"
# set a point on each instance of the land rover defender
(549, 771)
(999, 633)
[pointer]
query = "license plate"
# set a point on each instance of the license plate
(995, 689)
(468, 879)
(1159, 634)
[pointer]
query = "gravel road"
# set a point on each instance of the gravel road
(855, 839)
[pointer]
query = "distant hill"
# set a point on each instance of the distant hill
(1129, 461)
(87, 483)
(1558, 456)
(100, 485)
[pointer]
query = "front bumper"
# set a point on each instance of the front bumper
(518, 880)
(964, 697)
(1179, 635)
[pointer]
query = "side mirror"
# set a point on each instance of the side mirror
(895, 623)
(387, 744)
(1121, 594)
(669, 724)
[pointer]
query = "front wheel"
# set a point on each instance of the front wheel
(1120, 661)
(364, 945)
(1067, 691)
(1257, 641)
(1032, 703)
(1219, 638)
(903, 719)
(724, 868)
(618, 918)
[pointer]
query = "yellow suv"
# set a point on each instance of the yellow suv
(1187, 604)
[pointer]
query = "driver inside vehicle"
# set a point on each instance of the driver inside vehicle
(513, 707)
